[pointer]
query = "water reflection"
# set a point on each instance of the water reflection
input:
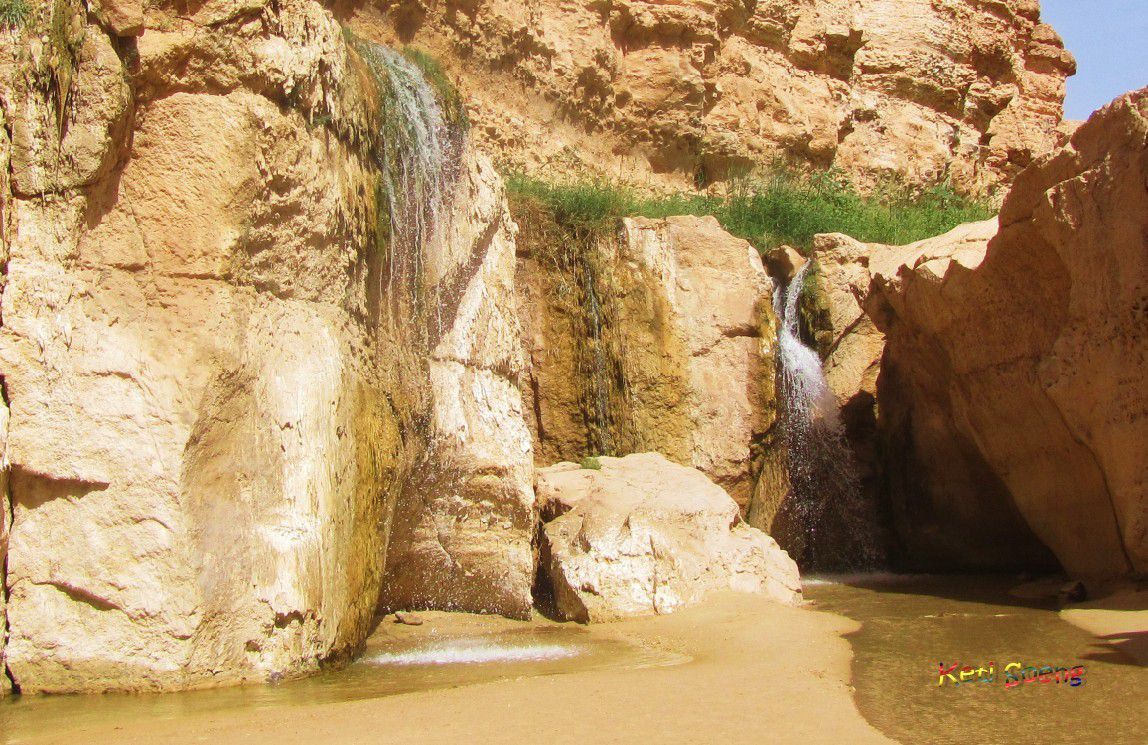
(912, 625)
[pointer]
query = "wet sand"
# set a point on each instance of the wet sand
(744, 670)
(1121, 621)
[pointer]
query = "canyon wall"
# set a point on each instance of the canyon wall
(657, 335)
(946, 509)
(217, 392)
(923, 90)
(1018, 360)
(464, 525)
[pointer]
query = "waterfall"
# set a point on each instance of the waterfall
(599, 380)
(832, 525)
(420, 164)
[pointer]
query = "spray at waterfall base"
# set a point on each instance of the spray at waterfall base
(831, 525)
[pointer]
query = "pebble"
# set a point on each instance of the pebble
(408, 619)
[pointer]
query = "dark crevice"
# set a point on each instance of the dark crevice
(33, 489)
(82, 596)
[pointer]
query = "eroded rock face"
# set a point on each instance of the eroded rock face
(657, 337)
(5, 507)
(850, 347)
(917, 88)
(643, 536)
(1026, 353)
(947, 508)
(215, 395)
(191, 419)
(462, 538)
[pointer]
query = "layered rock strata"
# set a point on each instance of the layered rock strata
(640, 535)
(922, 90)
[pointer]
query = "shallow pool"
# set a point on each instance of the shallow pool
(911, 625)
(418, 660)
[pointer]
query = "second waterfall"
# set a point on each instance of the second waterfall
(828, 522)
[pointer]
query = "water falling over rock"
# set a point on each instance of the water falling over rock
(420, 159)
(828, 522)
(460, 532)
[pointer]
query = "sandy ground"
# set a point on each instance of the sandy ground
(759, 673)
(1121, 620)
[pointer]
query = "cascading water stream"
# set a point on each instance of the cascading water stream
(598, 378)
(420, 164)
(825, 503)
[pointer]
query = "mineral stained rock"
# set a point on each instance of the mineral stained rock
(669, 350)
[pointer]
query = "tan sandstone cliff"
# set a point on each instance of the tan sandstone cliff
(656, 336)
(970, 90)
(219, 384)
(1024, 354)
(947, 509)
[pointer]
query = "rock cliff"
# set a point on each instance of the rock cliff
(1019, 358)
(229, 378)
(655, 336)
(946, 507)
(702, 89)
(274, 355)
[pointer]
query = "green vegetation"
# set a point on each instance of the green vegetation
(61, 55)
(592, 463)
(449, 98)
(13, 13)
(779, 208)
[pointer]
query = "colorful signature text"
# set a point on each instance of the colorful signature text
(1014, 674)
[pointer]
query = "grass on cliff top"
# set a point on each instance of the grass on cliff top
(778, 209)
(13, 13)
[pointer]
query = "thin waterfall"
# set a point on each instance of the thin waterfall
(825, 504)
(599, 376)
(420, 165)
(419, 156)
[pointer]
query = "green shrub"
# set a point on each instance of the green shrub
(592, 463)
(13, 13)
(771, 210)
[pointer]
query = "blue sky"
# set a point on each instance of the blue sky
(1110, 41)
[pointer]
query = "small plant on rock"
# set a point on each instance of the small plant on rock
(592, 463)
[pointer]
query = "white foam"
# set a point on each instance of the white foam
(472, 653)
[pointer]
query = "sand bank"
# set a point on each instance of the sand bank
(756, 672)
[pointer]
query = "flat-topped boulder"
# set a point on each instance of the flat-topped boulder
(641, 535)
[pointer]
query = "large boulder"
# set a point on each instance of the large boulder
(1027, 352)
(640, 535)
(658, 336)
